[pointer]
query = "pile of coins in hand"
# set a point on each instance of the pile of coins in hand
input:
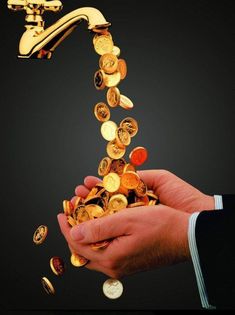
(120, 187)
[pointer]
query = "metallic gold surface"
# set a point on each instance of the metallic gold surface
(108, 130)
(112, 288)
(113, 96)
(117, 166)
(125, 102)
(123, 137)
(108, 63)
(117, 202)
(104, 166)
(102, 112)
(114, 151)
(40, 234)
(78, 261)
(47, 286)
(130, 180)
(99, 80)
(103, 44)
(116, 51)
(57, 266)
(113, 79)
(111, 182)
(131, 125)
(122, 68)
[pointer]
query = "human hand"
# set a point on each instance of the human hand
(143, 238)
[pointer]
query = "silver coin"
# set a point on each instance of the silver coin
(112, 288)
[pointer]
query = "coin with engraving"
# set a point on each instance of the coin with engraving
(117, 202)
(103, 44)
(125, 102)
(101, 32)
(78, 261)
(99, 80)
(104, 166)
(40, 234)
(102, 112)
(57, 265)
(82, 215)
(141, 189)
(111, 182)
(131, 125)
(138, 156)
(94, 211)
(114, 151)
(113, 79)
(130, 180)
(123, 137)
(47, 286)
(122, 68)
(112, 288)
(128, 167)
(108, 63)
(117, 166)
(108, 130)
(113, 96)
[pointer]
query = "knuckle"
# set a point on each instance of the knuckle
(95, 230)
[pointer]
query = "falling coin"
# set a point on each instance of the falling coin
(108, 130)
(138, 156)
(40, 234)
(57, 265)
(78, 261)
(47, 286)
(102, 112)
(122, 68)
(112, 288)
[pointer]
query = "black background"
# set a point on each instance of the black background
(179, 78)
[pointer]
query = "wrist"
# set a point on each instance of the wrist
(208, 203)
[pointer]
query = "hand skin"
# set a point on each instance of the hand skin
(144, 237)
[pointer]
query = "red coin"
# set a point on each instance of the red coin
(138, 156)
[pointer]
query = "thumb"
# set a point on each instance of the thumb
(100, 229)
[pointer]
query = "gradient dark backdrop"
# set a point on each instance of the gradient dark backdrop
(179, 78)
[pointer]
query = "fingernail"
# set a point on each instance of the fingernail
(77, 233)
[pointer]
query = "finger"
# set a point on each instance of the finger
(101, 228)
(81, 191)
(64, 226)
(154, 178)
(91, 181)
(73, 199)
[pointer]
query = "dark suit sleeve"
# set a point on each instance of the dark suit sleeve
(215, 237)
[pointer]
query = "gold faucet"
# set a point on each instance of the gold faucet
(37, 42)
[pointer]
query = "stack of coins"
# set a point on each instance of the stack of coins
(121, 186)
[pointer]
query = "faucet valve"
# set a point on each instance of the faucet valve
(34, 7)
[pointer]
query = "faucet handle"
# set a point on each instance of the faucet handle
(17, 5)
(54, 5)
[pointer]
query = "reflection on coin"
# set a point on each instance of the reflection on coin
(111, 182)
(94, 211)
(141, 189)
(47, 286)
(125, 102)
(113, 96)
(116, 51)
(57, 265)
(122, 68)
(123, 137)
(136, 204)
(117, 166)
(40, 234)
(102, 112)
(104, 166)
(112, 288)
(112, 79)
(117, 202)
(138, 156)
(99, 80)
(114, 151)
(78, 261)
(108, 63)
(130, 180)
(131, 125)
(108, 130)
(103, 44)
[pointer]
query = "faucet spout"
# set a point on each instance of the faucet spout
(39, 43)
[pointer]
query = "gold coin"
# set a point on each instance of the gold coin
(122, 68)
(123, 137)
(100, 245)
(108, 63)
(152, 202)
(94, 211)
(125, 102)
(113, 96)
(102, 112)
(114, 151)
(136, 204)
(151, 195)
(108, 130)
(117, 202)
(111, 182)
(128, 167)
(141, 189)
(117, 166)
(130, 180)
(78, 261)
(144, 199)
(103, 44)
(40, 234)
(57, 266)
(116, 51)
(77, 201)
(68, 207)
(71, 221)
(104, 166)
(113, 79)
(47, 286)
(112, 288)
(131, 125)
(99, 80)
(82, 215)
(103, 32)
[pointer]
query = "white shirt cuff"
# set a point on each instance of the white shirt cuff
(218, 202)
(196, 262)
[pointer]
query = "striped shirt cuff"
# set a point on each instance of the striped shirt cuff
(218, 202)
(196, 262)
